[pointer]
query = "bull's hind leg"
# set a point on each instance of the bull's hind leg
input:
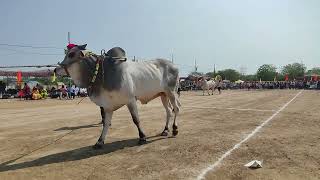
(176, 108)
(165, 102)
(106, 122)
(132, 106)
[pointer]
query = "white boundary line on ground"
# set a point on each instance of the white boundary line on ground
(257, 129)
(238, 109)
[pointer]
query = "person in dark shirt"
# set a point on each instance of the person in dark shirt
(27, 91)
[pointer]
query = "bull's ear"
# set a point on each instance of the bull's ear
(82, 47)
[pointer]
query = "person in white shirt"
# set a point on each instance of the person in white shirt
(76, 91)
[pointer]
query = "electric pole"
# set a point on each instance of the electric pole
(195, 65)
(69, 41)
(172, 57)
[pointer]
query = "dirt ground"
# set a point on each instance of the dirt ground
(52, 139)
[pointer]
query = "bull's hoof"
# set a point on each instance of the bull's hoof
(142, 141)
(175, 132)
(97, 146)
(164, 133)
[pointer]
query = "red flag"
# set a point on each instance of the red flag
(19, 77)
(286, 77)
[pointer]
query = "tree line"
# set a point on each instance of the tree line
(266, 72)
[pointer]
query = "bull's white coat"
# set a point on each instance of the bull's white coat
(141, 81)
(206, 85)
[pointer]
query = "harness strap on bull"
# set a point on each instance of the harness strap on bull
(96, 71)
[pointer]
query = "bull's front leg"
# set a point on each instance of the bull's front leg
(103, 116)
(106, 123)
(132, 106)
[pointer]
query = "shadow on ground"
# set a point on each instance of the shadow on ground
(74, 155)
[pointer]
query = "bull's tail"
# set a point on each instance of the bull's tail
(178, 102)
(177, 86)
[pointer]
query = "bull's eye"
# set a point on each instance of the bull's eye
(71, 54)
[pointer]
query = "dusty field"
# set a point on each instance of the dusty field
(52, 139)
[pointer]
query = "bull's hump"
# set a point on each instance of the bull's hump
(112, 75)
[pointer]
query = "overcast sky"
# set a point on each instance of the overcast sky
(228, 33)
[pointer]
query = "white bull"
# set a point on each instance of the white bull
(120, 82)
(206, 85)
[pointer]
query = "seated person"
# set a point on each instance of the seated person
(26, 91)
(21, 94)
(44, 93)
(63, 92)
(35, 94)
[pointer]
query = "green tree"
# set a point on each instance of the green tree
(280, 77)
(229, 74)
(210, 74)
(266, 72)
(294, 70)
(249, 77)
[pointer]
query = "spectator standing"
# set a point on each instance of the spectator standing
(77, 91)
(72, 93)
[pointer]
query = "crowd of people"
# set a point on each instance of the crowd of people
(69, 92)
(274, 85)
(297, 84)
(39, 92)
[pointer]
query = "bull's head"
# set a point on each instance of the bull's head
(71, 63)
(73, 55)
